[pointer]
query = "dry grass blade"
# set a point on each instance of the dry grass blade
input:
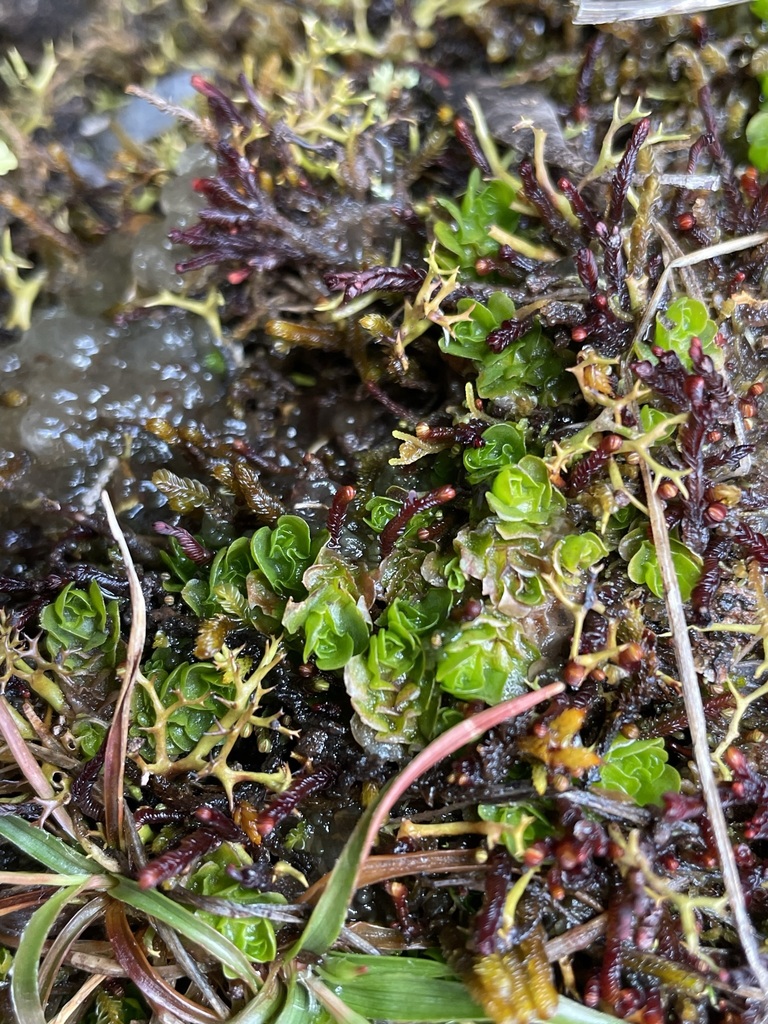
(61, 945)
(689, 260)
(31, 769)
(697, 724)
(117, 739)
(73, 1009)
(384, 867)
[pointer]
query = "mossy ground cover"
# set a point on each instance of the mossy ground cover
(419, 677)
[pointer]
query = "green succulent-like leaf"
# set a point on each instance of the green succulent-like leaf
(577, 552)
(333, 617)
(487, 659)
(644, 568)
(89, 735)
(652, 418)
(524, 494)
(81, 628)
(391, 685)
(198, 691)
(232, 565)
(283, 554)
(466, 239)
(380, 511)
(467, 337)
(508, 570)
(757, 126)
(639, 769)
(417, 618)
(254, 936)
(684, 319)
(503, 445)
(532, 368)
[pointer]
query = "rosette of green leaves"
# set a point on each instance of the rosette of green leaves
(333, 618)
(283, 554)
(528, 374)
(503, 445)
(523, 494)
(466, 338)
(391, 684)
(80, 629)
(639, 769)
(487, 659)
(193, 696)
(682, 320)
(466, 239)
(382, 509)
(573, 554)
(644, 567)
(525, 375)
(202, 590)
(254, 936)
(509, 571)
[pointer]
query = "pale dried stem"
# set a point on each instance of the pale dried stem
(689, 260)
(697, 724)
(116, 746)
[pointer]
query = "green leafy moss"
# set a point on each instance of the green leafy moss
(466, 239)
(644, 568)
(82, 629)
(487, 659)
(467, 336)
(193, 694)
(391, 683)
(284, 553)
(684, 319)
(333, 617)
(525, 375)
(525, 824)
(508, 570)
(503, 445)
(524, 494)
(639, 769)
(577, 552)
(254, 936)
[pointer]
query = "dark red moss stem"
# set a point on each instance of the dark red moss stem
(396, 526)
(337, 513)
(283, 805)
(191, 547)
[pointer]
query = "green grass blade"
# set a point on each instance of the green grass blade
(264, 1006)
(332, 1002)
(397, 988)
(25, 982)
(300, 1006)
(191, 927)
(45, 848)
